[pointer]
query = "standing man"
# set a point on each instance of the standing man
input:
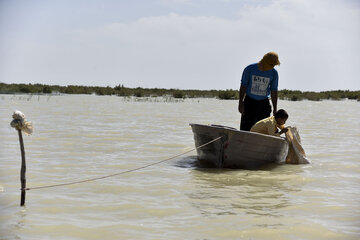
(258, 82)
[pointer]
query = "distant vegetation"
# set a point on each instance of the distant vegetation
(120, 90)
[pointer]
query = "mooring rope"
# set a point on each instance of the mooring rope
(119, 173)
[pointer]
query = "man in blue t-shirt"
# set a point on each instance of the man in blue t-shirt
(259, 81)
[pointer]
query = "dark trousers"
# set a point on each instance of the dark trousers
(254, 111)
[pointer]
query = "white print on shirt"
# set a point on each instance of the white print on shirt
(259, 85)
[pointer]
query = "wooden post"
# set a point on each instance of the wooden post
(20, 124)
(23, 169)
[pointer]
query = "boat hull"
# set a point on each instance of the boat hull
(236, 148)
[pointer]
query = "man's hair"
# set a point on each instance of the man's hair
(281, 113)
(271, 58)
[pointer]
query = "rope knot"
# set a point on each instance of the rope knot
(20, 123)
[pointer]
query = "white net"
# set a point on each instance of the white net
(20, 123)
(296, 153)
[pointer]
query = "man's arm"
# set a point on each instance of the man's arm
(274, 98)
(241, 98)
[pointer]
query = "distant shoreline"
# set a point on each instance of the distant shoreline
(121, 90)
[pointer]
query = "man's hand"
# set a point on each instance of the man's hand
(242, 92)
(241, 107)
(274, 97)
(284, 130)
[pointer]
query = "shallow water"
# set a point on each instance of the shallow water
(78, 137)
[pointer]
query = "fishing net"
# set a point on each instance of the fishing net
(296, 153)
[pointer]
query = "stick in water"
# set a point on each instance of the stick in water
(23, 169)
(20, 124)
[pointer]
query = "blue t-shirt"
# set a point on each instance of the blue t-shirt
(259, 84)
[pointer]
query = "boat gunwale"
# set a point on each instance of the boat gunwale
(240, 131)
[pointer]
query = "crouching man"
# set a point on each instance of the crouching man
(271, 125)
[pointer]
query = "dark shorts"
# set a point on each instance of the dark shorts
(254, 111)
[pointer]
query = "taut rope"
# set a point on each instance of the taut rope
(119, 173)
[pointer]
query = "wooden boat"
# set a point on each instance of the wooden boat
(237, 148)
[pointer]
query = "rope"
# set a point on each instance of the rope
(120, 173)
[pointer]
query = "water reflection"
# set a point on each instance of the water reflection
(234, 191)
(187, 162)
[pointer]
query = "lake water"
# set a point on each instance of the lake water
(77, 137)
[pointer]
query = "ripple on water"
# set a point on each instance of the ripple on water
(81, 137)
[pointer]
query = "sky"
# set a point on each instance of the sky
(183, 44)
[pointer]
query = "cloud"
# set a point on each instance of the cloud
(314, 42)
(317, 43)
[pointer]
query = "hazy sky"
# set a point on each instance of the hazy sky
(185, 44)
